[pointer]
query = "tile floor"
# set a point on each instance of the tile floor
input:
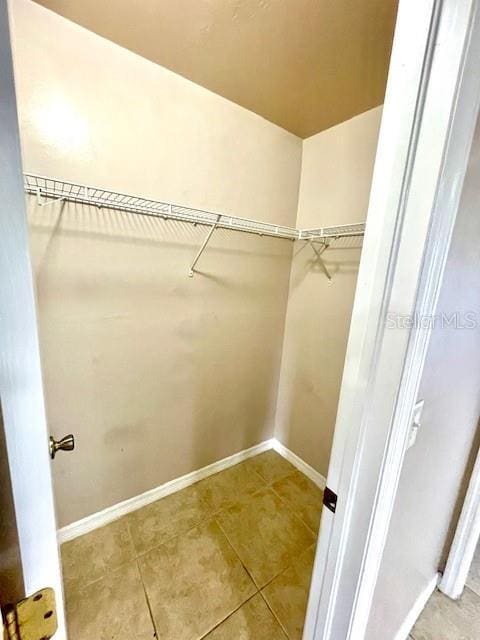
(228, 558)
(446, 619)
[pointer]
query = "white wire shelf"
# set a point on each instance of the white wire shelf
(356, 230)
(72, 192)
(61, 190)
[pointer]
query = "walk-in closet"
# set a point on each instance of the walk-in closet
(197, 177)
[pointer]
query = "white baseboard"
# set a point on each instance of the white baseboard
(302, 466)
(116, 511)
(101, 518)
(416, 610)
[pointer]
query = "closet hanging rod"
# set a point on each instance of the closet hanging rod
(56, 189)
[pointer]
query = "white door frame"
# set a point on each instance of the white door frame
(21, 389)
(428, 122)
(465, 541)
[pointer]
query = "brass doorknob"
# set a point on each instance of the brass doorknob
(67, 443)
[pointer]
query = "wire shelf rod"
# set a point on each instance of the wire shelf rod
(339, 231)
(62, 190)
(72, 192)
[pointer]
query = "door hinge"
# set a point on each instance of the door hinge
(34, 618)
(330, 499)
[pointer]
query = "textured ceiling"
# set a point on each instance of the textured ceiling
(304, 64)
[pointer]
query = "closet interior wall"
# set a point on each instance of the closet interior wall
(337, 168)
(158, 374)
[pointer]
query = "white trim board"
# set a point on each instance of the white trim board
(417, 608)
(116, 511)
(465, 541)
(300, 464)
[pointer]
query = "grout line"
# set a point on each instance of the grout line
(290, 566)
(204, 519)
(472, 591)
(213, 517)
(89, 583)
(258, 474)
(147, 599)
(236, 554)
(208, 516)
(280, 478)
(297, 515)
(142, 554)
(130, 535)
(273, 612)
(239, 558)
(313, 544)
(121, 509)
(229, 615)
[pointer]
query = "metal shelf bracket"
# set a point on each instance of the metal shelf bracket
(41, 203)
(191, 271)
(319, 252)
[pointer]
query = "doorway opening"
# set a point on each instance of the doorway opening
(196, 224)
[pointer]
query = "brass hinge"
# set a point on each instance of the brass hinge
(34, 618)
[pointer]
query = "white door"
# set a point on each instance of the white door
(29, 552)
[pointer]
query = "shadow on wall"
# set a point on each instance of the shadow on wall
(92, 222)
(342, 257)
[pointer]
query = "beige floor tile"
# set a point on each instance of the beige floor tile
(224, 489)
(266, 535)
(473, 580)
(112, 608)
(270, 466)
(445, 619)
(91, 556)
(193, 582)
(175, 514)
(303, 496)
(253, 621)
(287, 594)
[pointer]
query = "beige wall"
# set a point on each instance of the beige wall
(436, 469)
(155, 373)
(335, 182)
